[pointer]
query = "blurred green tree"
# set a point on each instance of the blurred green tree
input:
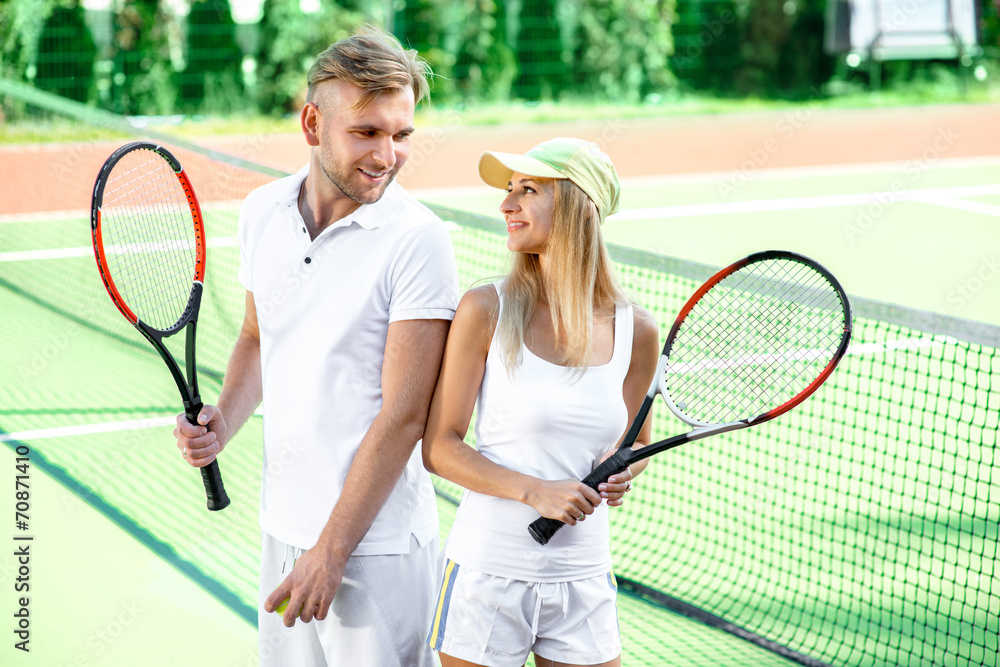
(429, 27)
(706, 36)
(803, 66)
(484, 63)
(66, 53)
(621, 48)
(142, 76)
(22, 22)
(541, 56)
(989, 27)
(781, 49)
(290, 39)
(766, 30)
(212, 79)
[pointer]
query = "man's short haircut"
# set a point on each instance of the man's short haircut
(375, 62)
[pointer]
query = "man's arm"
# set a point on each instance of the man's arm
(240, 396)
(413, 352)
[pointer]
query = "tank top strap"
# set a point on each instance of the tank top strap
(624, 327)
(498, 287)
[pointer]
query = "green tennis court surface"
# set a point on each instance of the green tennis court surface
(120, 522)
(99, 596)
(115, 599)
(121, 530)
(859, 529)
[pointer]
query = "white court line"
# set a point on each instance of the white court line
(44, 216)
(88, 251)
(938, 196)
(88, 429)
(633, 181)
(777, 173)
(746, 360)
(900, 344)
(816, 171)
(84, 214)
(807, 355)
(951, 197)
(929, 195)
(978, 207)
(159, 246)
(157, 422)
(55, 253)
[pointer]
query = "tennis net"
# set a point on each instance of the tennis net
(859, 529)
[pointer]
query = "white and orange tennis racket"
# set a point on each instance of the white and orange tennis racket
(752, 343)
(149, 240)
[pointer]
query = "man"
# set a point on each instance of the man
(351, 286)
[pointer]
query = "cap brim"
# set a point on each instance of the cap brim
(496, 168)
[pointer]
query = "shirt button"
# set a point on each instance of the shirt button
(303, 229)
(308, 259)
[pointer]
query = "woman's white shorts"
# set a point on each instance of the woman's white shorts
(495, 621)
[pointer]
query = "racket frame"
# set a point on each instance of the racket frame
(625, 454)
(186, 385)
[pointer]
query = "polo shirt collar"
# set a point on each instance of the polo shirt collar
(372, 216)
(368, 216)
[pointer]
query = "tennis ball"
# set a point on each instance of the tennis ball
(280, 609)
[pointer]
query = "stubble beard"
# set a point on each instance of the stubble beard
(351, 188)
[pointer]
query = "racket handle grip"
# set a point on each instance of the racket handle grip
(211, 475)
(543, 529)
(214, 489)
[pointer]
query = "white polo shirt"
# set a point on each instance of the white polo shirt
(324, 309)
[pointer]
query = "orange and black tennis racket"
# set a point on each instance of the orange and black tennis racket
(149, 240)
(752, 343)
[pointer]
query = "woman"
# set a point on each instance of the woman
(556, 362)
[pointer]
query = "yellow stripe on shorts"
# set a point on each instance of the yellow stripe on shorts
(436, 636)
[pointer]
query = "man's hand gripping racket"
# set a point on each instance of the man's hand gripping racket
(752, 343)
(149, 241)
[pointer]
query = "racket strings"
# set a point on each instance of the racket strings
(763, 361)
(149, 237)
(751, 354)
(160, 203)
(754, 341)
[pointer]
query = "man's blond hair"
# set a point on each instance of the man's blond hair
(375, 62)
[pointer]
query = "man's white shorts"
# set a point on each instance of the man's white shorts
(379, 617)
(495, 621)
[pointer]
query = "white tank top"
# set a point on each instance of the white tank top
(552, 424)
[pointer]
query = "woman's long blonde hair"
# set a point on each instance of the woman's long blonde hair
(580, 277)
